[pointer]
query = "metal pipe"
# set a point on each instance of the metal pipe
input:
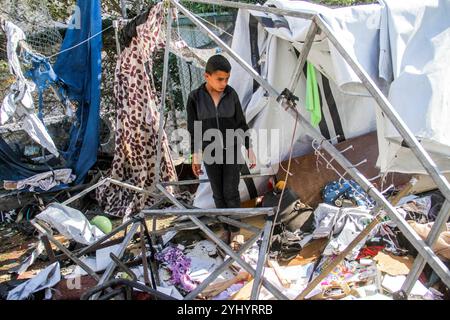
(308, 15)
(104, 238)
(123, 7)
(423, 249)
(239, 224)
(163, 96)
(312, 31)
(261, 259)
(419, 262)
(222, 245)
(333, 264)
(209, 212)
(197, 181)
(116, 36)
(84, 266)
(131, 187)
(84, 192)
(218, 271)
(110, 269)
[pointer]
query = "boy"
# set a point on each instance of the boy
(216, 106)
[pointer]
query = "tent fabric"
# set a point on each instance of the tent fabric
(414, 46)
(80, 69)
(137, 123)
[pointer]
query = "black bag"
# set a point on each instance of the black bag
(294, 215)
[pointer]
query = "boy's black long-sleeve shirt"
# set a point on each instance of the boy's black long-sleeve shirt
(227, 115)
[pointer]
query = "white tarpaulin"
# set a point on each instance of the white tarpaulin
(71, 223)
(415, 43)
(387, 50)
(47, 278)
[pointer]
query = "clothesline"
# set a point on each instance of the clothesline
(82, 42)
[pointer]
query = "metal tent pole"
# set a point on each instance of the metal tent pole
(308, 15)
(163, 95)
(262, 258)
(217, 272)
(419, 262)
(312, 31)
(223, 245)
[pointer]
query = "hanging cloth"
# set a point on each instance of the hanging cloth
(312, 95)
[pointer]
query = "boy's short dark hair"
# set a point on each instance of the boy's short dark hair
(217, 63)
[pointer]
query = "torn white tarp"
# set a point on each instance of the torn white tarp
(98, 263)
(414, 49)
(30, 259)
(71, 223)
(47, 278)
(343, 224)
(45, 181)
(19, 102)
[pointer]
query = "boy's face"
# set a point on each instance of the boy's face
(217, 80)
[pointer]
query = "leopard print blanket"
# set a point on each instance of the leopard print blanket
(137, 122)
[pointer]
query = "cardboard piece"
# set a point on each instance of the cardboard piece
(310, 253)
(394, 265)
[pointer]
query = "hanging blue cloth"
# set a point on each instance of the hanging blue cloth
(77, 74)
(80, 69)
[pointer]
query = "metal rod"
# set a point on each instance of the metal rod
(261, 259)
(219, 270)
(226, 48)
(84, 266)
(224, 246)
(104, 238)
(116, 36)
(312, 31)
(110, 269)
(238, 5)
(48, 249)
(419, 262)
(163, 96)
(131, 187)
(209, 212)
(144, 255)
(412, 142)
(151, 238)
(325, 272)
(123, 7)
(84, 192)
(122, 266)
(197, 181)
(238, 224)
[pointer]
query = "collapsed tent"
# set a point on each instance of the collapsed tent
(347, 109)
(77, 73)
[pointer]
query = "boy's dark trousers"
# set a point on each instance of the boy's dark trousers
(224, 179)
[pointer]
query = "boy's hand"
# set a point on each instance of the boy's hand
(197, 169)
(196, 165)
(251, 158)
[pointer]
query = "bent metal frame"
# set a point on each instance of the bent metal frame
(426, 254)
(424, 248)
